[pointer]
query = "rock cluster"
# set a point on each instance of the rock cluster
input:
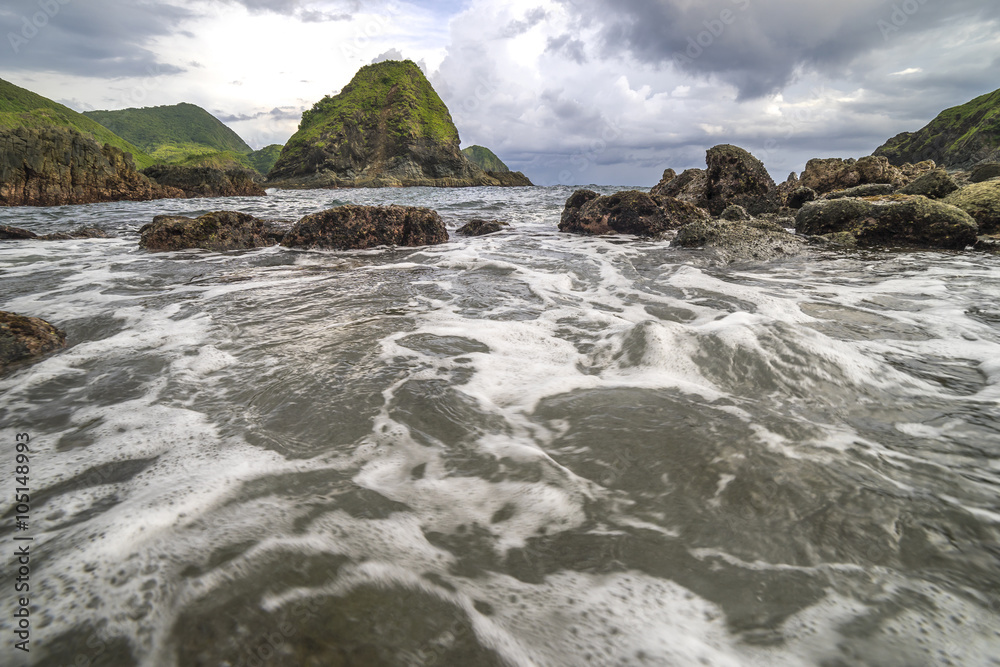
(360, 227)
(207, 181)
(628, 212)
(25, 338)
(220, 230)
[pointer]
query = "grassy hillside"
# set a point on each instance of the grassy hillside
(21, 107)
(958, 136)
(172, 133)
(417, 111)
(265, 158)
(485, 158)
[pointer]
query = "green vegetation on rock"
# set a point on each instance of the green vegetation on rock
(958, 138)
(22, 108)
(264, 159)
(172, 134)
(485, 159)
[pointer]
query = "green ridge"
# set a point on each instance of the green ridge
(957, 137)
(174, 133)
(265, 158)
(485, 158)
(22, 108)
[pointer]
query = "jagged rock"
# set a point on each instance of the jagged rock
(207, 181)
(868, 190)
(910, 221)
(935, 184)
(358, 227)
(477, 227)
(627, 212)
(737, 177)
(800, 196)
(914, 171)
(386, 128)
(54, 166)
(826, 175)
(668, 175)
(219, 231)
(984, 172)
(735, 213)
(982, 202)
(690, 186)
(24, 338)
(740, 241)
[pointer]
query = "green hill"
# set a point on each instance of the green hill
(172, 133)
(959, 137)
(387, 127)
(485, 158)
(21, 107)
(265, 158)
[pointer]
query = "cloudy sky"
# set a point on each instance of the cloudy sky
(568, 91)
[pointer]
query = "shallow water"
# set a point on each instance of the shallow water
(528, 448)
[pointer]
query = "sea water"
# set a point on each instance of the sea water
(528, 448)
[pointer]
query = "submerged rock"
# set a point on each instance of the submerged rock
(25, 338)
(219, 231)
(207, 181)
(740, 241)
(982, 202)
(358, 227)
(17, 234)
(903, 221)
(477, 227)
(936, 184)
(627, 212)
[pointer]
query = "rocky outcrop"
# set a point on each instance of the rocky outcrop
(25, 338)
(690, 186)
(386, 128)
(868, 190)
(207, 181)
(509, 179)
(220, 231)
(477, 227)
(826, 175)
(17, 234)
(936, 184)
(628, 212)
(800, 196)
(982, 202)
(735, 176)
(900, 221)
(740, 241)
(54, 166)
(359, 227)
(956, 139)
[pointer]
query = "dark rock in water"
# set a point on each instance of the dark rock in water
(737, 177)
(982, 202)
(8, 233)
(206, 181)
(510, 179)
(24, 338)
(358, 227)
(219, 231)
(868, 190)
(936, 184)
(910, 221)
(627, 212)
(800, 196)
(984, 172)
(990, 243)
(738, 241)
(834, 240)
(735, 213)
(54, 166)
(18, 234)
(479, 227)
(386, 128)
(826, 175)
(690, 186)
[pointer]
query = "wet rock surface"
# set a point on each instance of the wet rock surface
(360, 227)
(219, 231)
(24, 338)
